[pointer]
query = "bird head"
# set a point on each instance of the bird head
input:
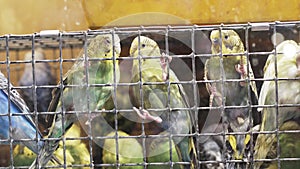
(226, 40)
(144, 46)
(102, 45)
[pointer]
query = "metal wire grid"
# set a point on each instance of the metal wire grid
(13, 45)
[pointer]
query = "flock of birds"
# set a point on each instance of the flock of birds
(235, 140)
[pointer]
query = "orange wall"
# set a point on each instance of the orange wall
(28, 16)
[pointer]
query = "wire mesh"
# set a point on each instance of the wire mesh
(113, 135)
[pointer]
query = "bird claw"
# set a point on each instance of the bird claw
(163, 64)
(242, 70)
(213, 94)
(145, 115)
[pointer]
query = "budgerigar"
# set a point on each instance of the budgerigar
(99, 74)
(15, 124)
(284, 92)
(42, 77)
(155, 96)
(129, 151)
(230, 63)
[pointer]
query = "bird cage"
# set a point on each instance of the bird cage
(113, 110)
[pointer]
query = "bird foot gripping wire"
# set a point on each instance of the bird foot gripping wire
(243, 71)
(163, 64)
(145, 115)
(214, 94)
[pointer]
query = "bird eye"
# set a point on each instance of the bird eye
(143, 45)
(107, 40)
(226, 37)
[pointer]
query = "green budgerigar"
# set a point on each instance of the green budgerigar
(169, 110)
(90, 80)
(130, 151)
(222, 73)
(281, 92)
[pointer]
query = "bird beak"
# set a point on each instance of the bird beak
(216, 44)
(216, 41)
